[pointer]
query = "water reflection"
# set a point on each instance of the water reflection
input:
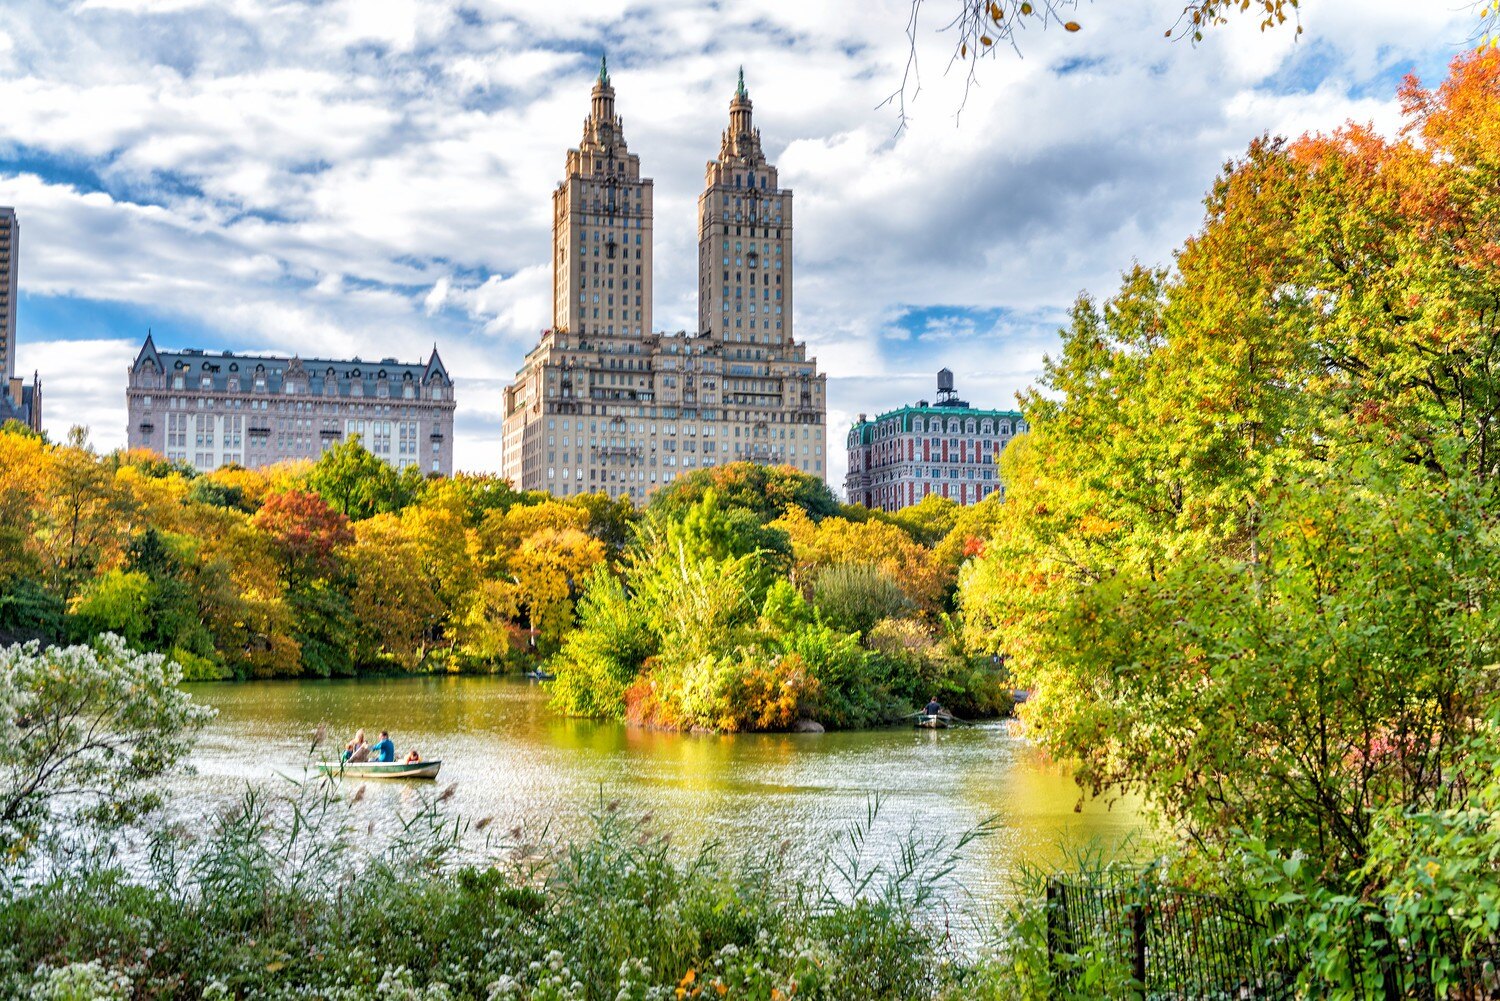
(514, 760)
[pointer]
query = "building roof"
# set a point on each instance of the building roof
(221, 365)
(865, 427)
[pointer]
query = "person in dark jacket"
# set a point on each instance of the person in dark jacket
(933, 707)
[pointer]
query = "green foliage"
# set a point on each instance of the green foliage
(82, 731)
(359, 485)
(118, 602)
(766, 491)
(855, 596)
(215, 493)
(29, 612)
(600, 658)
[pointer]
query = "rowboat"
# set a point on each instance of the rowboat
(382, 769)
(932, 723)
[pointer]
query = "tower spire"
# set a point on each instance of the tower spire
(740, 90)
(603, 69)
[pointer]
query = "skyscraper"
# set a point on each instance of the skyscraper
(744, 239)
(601, 230)
(18, 401)
(10, 266)
(603, 402)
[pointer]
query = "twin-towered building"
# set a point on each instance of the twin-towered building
(209, 409)
(603, 403)
(606, 403)
(946, 448)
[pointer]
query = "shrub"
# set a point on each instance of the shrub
(82, 730)
(855, 596)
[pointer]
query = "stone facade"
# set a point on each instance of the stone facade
(18, 401)
(605, 404)
(947, 448)
(212, 409)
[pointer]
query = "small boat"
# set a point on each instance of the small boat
(540, 675)
(382, 769)
(932, 723)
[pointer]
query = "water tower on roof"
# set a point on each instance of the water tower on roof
(947, 395)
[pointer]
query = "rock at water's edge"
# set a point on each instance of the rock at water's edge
(807, 726)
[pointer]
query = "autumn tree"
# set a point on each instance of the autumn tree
(305, 533)
(1244, 551)
(766, 491)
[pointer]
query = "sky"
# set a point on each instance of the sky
(336, 178)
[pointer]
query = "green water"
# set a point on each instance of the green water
(513, 759)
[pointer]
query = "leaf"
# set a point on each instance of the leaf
(986, 39)
(1072, 26)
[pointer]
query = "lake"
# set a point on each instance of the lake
(513, 759)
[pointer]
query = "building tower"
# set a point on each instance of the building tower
(603, 403)
(18, 401)
(601, 230)
(744, 239)
(10, 265)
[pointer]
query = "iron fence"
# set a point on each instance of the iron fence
(1160, 943)
(1140, 939)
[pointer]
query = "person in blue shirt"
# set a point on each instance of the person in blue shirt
(384, 749)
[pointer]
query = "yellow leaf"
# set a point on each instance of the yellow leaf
(1072, 26)
(986, 39)
(275, 967)
(1026, 8)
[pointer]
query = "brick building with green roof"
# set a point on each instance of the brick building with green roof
(947, 448)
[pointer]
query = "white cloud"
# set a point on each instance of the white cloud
(368, 176)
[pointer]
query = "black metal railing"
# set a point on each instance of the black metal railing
(1157, 942)
(1168, 943)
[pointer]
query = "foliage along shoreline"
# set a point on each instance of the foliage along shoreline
(802, 608)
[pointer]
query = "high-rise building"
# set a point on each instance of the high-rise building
(947, 448)
(605, 404)
(601, 230)
(211, 409)
(10, 267)
(18, 401)
(744, 239)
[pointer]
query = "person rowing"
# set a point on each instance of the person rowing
(934, 708)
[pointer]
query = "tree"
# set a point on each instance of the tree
(358, 484)
(81, 520)
(545, 571)
(83, 729)
(1245, 553)
(395, 601)
(878, 543)
(305, 533)
(767, 491)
